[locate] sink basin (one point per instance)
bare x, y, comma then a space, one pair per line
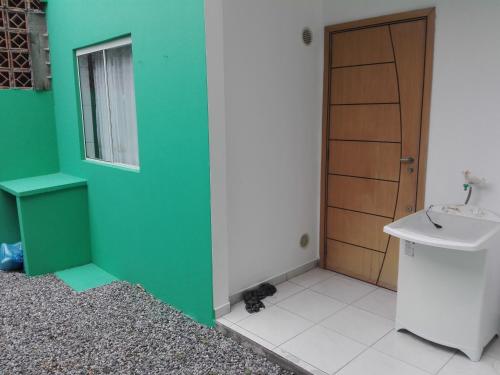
466, 228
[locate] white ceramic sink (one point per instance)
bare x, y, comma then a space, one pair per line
449, 279
466, 228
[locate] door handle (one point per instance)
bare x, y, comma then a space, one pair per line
408, 159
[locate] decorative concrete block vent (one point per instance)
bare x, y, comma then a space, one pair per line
23, 54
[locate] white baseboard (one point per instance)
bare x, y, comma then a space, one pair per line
222, 310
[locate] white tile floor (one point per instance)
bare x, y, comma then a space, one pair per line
331, 324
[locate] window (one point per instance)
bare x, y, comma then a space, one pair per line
108, 102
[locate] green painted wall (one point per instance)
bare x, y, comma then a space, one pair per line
28, 147
153, 226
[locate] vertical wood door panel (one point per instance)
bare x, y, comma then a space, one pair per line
370, 122
389, 273
343, 225
376, 99
365, 46
409, 48
365, 159
359, 194
354, 261
365, 84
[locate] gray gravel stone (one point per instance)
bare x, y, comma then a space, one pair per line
47, 328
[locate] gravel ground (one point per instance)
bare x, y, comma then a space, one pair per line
46, 328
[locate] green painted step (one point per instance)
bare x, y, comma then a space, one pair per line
85, 277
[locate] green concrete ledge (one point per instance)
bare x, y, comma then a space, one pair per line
41, 184
85, 277
53, 220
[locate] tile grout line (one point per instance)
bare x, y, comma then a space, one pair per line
319, 323
397, 359
374, 313
365, 309
357, 356
335, 313
405, 362
291, 295
312, 321
278, 354
367, 347
316, 283
356, 340
376, 288
340, 276
380, 339
279, 346
314, 324
303, 360
322, 295
253, 333
276, 346
402, 361
365, 295
277, 304
448, 361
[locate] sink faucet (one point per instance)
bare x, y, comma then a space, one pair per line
469, 181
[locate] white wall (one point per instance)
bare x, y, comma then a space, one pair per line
465, 117
465, 107
273, 117
217, 125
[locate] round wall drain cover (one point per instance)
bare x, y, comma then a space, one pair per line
304, 240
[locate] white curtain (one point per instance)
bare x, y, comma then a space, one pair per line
120, 78
104, 133
85, 94
95, 106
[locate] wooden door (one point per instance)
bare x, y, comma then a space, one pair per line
376, 113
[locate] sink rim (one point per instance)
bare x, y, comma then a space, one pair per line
395, 229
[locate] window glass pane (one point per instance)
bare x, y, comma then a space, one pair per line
120, 78
108, 103
96, 119
86, 102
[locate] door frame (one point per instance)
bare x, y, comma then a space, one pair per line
429, 14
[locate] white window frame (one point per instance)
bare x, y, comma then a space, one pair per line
125, 41
102, 46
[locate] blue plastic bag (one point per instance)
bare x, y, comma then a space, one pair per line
11, 257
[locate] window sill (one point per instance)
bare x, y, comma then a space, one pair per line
123, 167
